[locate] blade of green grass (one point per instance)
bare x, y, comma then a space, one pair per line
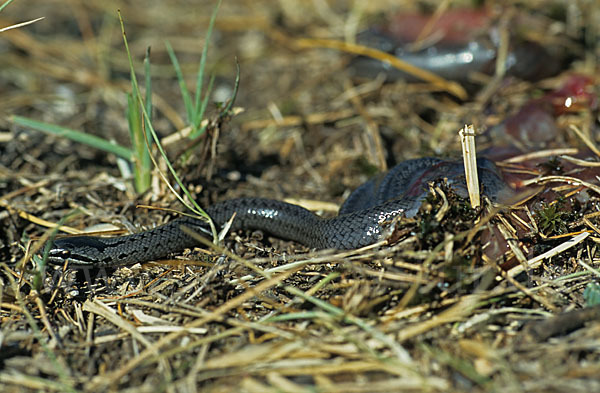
141, 144
77, 136
192, 204
591, 294
137, 122
225, 111
133, 116
199, 131
146, 163
148, 82
200, 76
185, 94
7, 2
136, 133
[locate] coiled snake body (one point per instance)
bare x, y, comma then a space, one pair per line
359, 222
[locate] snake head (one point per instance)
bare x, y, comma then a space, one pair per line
78, 250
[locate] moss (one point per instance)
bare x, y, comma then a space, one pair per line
552, 218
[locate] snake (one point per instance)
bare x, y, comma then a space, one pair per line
362, 219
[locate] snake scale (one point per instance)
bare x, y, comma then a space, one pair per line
360, 221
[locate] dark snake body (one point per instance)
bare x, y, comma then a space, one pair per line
360, 221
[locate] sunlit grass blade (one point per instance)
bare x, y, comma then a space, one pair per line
136, 133
141, 160
77, 136
16, 26
22, 24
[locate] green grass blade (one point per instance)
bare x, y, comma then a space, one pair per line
133, 120
77, 136
136, 133
192, 205
185, 94
591, 294
7, 2
201, 68
148, 82
211, 83
141, 158
199, 116
145, 154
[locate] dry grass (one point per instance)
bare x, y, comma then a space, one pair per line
434, 310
